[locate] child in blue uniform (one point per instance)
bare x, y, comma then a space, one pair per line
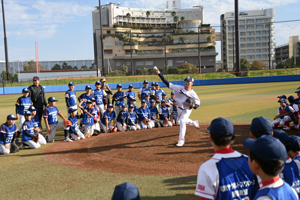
70, 96
144, 116
290, 172
226, 168
74, 131
130, 94
266, 159
294, 151
164, 114
28, 133
119, 98
108, 117
100, 98
154, 112
172, 99
121, 119
22, 105
84, 97
133, 102
132, 119
37, 125
147, 98
174, 114
144, 90
7, 134
88, 118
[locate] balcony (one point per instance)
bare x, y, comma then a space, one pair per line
133, 47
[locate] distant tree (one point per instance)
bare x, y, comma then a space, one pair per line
209, 38
145, 71
245, 65
31, 66
75, 67
173, 13
128, 15
115, 73
139, 72
257, 65
165, 69
13, 77
176, 18
189, 68
169, 39
148, 14
124, 69
65, 66
173, 70
83, 67
56, 67
182, 39
182, 18
280, 65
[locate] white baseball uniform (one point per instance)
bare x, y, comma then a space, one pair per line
184, 112
286, 118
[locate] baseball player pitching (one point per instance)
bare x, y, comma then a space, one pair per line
184, 96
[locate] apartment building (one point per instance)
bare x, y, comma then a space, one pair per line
156, 39
257, 37
288, 50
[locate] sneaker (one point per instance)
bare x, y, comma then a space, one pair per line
197, 124
17, 140
68, 140
88, 135
296, 126
22, 146
286, 128
180, 144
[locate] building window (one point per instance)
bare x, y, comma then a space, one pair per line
258, 45
230, 28
264, 44
230, 52
242, 27
108, 43
170, 63
249, 57
108, 52
250, 45
230, 58
259, 21
108, 32
264, 38
264, 50
229, 46
259, 26
148, 62
258, 56
250, 21
242, 40
264, 32
250, 51
249, 33
257, 33
243, 51
249, 39
139, 63
250, 27
118, 64
118, 43
242, 34
229, 40
243, 45
241, 22
128, 64
230, 34
257, 39
264, 56
231, 22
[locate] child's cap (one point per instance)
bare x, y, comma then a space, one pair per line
72, 110
11, 117
294, 142
88, 101
93, 99
190, 79
219, 126
146, 95
131, 106
282, 100
281, 135
119, 86
124, 106
153, 83
298, 91
31, 108
266, 148
291, 99
172, 92
25, 90
130, 86
145, 82
297, 101
163, 101
133, 100
153, 101
126, 191
52, 99
164, 94
27, 112
282, 96
144, 101
71, 84
110, 106
88, 87
261, 126
98, 83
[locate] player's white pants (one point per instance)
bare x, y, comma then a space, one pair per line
144, 126
42, 140
176, 122
282, 121
184, 119
74, 107
101, 109
21, 121
118, 109
96, 127
88, 129
4, 150
75, 136
32, 144
137, 127
120, 127
53, 127
167, 124
103, 127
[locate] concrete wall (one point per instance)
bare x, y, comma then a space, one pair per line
63, 88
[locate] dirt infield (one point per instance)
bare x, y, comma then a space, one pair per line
150, 152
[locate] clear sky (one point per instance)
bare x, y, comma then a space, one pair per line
63, 28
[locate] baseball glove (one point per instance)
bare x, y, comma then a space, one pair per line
35, 138
276, 117
165, 121
283, 112
14, 148
146, 122
114, 129
191, 102
67, 123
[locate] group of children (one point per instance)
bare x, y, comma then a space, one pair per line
288, 111
96, 113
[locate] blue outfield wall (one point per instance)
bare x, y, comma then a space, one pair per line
264, 79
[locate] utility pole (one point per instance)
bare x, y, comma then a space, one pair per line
5, 43
101, 42
233, 47
269, 45
131, 61
237, 36
165, 47
199, 52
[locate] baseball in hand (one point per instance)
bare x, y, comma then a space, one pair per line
155, 68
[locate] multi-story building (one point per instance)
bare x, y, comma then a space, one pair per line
291, 49
257, 37
156, 39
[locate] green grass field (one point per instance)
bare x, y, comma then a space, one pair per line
30, 175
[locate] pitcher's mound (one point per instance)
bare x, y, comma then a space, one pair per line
151, 152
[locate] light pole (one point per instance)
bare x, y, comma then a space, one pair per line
101, 42
5, 42
199, 53
237, 36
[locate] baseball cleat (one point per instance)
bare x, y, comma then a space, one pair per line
296, 126
197, 124
286, 128
22, 146
180, 144
88, 135
68, 140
